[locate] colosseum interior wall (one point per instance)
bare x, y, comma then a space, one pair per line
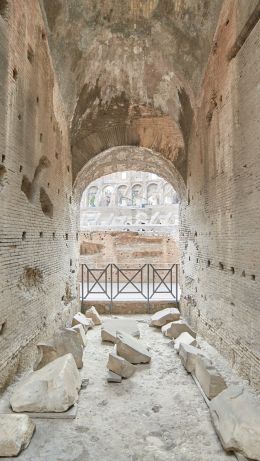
190, 116
38, 235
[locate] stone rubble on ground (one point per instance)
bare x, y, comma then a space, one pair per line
188, 355
111, 326
80, 330
120, 366
131, 349
236, 418
53, 388
16, 432
81, 319
174, 329
64, 342
113, 377
93, 314
164, 316
210, 380
184, 338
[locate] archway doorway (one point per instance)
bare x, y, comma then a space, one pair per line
129, 248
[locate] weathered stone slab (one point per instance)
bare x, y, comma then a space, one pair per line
174, 329
16, 432
110, 327
188, 355
54, 387
131, 349
165, 328
71, 413
236, 417
80, 330
120, 366
113, 377
184, 338
212, 383
64, 342
93, 314
81, 319
164, 316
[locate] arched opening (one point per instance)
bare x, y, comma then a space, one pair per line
132, 226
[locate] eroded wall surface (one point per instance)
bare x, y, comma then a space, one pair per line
37, 233
221, 222
131, 249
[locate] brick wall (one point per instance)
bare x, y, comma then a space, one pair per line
221, 220
37, 232
127, 250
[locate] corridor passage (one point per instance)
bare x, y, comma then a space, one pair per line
156, 415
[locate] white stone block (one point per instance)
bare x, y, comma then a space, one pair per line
120, 366
16, 432
164, 316
80, 330
93, 314
236, 417
188, 355
174, 329
110, 327
53, 388
131, 349
64, 342
81, 319
113, 377
184, 338
211, 381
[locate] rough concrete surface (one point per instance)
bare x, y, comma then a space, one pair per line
135, 420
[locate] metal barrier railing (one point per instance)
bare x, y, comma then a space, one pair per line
112, 283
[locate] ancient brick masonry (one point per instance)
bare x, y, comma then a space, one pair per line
38, 236
99, 248
221, 219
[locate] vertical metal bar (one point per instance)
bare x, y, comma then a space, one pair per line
171, 279
111, 287
142, 280
153, 278
177, 302
148, 289
87, 280
106, 280
82, 286
118, 273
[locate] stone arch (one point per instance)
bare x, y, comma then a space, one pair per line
125, 158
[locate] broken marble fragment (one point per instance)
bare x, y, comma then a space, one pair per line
236, 417
174, 329
164, 316
211, 381
131, 349
81, 319
16, 432
184, 338
53, 388
93, 314
188, 355
120, 366
64, 342
110, 327
80, 330
113, 377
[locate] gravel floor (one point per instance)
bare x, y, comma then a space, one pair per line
156, 415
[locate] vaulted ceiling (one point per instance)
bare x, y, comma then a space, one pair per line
129, 71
